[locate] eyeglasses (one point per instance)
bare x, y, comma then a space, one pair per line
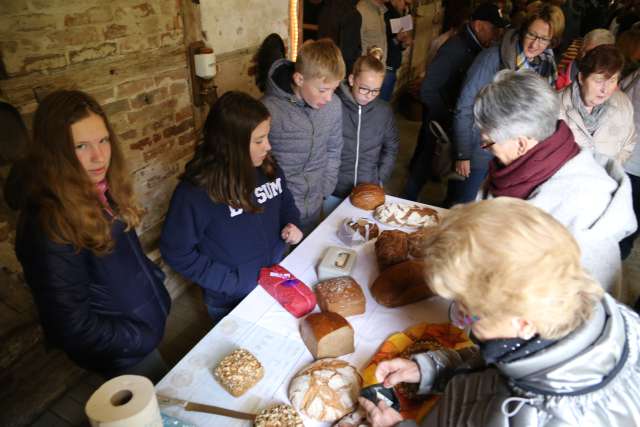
536, 38
367, 91
459, 318
487, 144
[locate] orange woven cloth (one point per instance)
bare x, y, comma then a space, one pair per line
445, 334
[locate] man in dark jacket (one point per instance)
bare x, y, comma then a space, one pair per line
441, 86
340, 21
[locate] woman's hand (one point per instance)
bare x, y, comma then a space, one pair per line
396, 371
380, 415
291, 234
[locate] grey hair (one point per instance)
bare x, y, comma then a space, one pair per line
516, 104
597, 37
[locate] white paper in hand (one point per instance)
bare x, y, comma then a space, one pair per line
401, 24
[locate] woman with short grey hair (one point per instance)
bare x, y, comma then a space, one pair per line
538, 160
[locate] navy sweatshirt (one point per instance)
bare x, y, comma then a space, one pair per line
223, 249
106, 312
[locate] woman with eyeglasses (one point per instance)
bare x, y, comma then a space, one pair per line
369, 129
529, 48
599, 115
552, 348
537, 159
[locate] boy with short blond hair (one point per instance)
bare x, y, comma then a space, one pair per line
306, 124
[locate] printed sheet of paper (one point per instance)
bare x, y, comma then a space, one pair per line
401, 24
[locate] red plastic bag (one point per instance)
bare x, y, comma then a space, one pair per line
291, 293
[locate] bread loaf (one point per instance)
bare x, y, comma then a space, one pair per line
401, 284
418, 241
391, 247
406, 215
278, 416
238, 372
341, 295
326, 390
367, 196
327, 334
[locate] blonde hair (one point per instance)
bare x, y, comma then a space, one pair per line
70, 210
507, 258
372, 61
548, 13
320, 59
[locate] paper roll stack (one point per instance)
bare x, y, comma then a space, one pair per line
124, 401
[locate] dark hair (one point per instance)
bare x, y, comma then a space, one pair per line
13, 140
222, 163
271, 49
603, 59
70, 211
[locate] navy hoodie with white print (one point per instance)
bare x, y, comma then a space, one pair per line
222, 249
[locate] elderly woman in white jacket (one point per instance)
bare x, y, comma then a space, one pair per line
599, 115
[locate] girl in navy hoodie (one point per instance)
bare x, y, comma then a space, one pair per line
98, 296
232, 213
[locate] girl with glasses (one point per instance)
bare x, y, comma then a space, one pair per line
369, 129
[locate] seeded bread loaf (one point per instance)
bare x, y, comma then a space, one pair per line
278, 416
238, 372
340, 295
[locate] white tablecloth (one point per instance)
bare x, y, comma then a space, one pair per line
260, 325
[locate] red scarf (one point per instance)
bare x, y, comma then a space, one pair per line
102, 187
533, 168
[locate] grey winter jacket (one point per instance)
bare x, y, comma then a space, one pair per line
589, 378
592, 198
306, 142
370, 142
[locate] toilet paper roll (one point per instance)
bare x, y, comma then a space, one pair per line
124, 401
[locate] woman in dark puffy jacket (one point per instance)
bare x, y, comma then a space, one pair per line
99, 298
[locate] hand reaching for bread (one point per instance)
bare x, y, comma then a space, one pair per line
396, 371
291, 234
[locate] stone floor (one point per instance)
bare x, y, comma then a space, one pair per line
188, 321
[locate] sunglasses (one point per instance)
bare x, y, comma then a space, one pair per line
487, 144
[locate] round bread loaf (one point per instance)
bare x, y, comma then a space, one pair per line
326, 390
418, 241
278, 416
391, 247
401, 284
367, 196
402, 214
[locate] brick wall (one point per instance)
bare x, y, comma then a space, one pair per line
130, 55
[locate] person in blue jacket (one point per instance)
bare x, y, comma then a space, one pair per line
527, 48
232, 213
99, 298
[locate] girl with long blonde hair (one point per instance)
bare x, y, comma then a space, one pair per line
99, 298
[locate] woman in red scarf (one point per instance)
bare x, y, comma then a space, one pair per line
537, 159
99, 298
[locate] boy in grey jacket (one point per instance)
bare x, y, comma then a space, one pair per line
306, 124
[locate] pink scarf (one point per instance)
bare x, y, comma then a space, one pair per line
102, 187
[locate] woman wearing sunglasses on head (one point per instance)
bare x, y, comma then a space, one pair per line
553, 348
369, 129
99, 298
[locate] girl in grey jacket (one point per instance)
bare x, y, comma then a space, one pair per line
369, 128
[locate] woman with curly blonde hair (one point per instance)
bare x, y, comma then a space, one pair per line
552, 348
99, 298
